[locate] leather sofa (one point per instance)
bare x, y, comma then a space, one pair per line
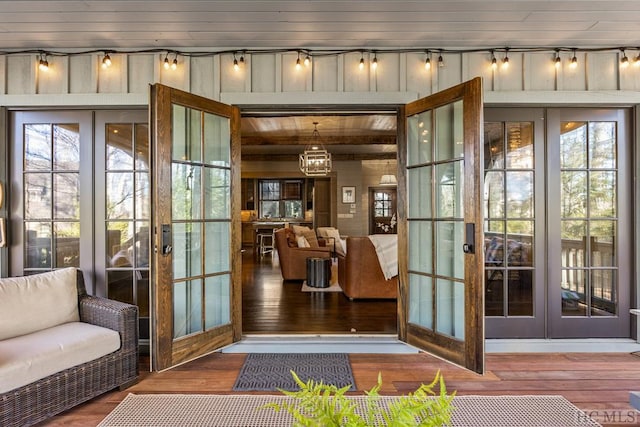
292, 259
360, 274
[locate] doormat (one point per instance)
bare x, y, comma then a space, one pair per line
272, 371
194, 410
333, 288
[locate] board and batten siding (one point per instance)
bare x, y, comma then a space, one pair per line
271, 79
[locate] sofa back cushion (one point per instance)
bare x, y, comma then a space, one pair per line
36, 302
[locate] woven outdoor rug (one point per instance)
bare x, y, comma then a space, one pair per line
272, 371
333, 288
172, 410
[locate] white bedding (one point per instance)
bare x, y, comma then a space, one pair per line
387, 249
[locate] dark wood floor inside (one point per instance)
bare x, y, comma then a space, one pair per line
271, 306
598, 383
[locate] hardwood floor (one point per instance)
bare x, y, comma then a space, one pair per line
271, 306
598, 383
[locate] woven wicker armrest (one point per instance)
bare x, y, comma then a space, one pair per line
111, 314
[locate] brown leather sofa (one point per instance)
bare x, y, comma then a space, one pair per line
293, 260
359, 272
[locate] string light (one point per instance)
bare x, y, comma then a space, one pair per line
236, 66
557, 61
106, 60
427, 62
574, 60
43, 64
307, 60
174, 64
374, 63
440, 61
298, 64
494, 61
624, 61
166, 61
361, 64
636, 60
505, 60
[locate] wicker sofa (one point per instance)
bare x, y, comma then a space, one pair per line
67, 336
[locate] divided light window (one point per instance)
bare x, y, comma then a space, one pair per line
280, 198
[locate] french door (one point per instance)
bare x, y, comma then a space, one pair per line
196, 182
440, 246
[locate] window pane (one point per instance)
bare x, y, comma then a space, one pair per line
217, 140
270, 209
420, 192
450, 308
217, 193
573, 292
142, 146
187, 259
142, 244
217, 297
37, 147
120, 286
66, 196
449, 259
520, 145
603, 293
573, 243
520, 293
602, 145
120, 195
187, 308
421, 300
38, 244
216, 239
186, 191
37, 196
520, 250
450, 191
494, 195
420, 246
493, 146
120, 242
603, 250
67, 244
449, 131
494, 293
143, 197
293, 209
186, 134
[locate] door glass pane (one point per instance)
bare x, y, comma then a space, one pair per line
142, 244
520, 248
419, 183
120, 244
419, 136
37, 147
494, 292
494, 194
67, 244
142, 146
421, 302
573, 145
602, 194
217, 235
119, 146
520, 292
449, 256
120, 195
120, 286
187, 307
493, 145
217, 193
603, 250
187, 261
217, 297
573, 243
38, 245
37, 195
603, 293
449, 131
602, 145
66, 147
66, 196
216, 140
186, 128
186, 191
420, 246
520, 195
573, 194
519, 145
450, 303
449, 181
142, 197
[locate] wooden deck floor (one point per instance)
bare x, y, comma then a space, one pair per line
597, 383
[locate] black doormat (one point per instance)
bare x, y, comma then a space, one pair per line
272, 371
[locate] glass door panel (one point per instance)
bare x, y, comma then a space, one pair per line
444, 284
194, 195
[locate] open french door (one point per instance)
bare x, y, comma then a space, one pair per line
196, 270
441, 263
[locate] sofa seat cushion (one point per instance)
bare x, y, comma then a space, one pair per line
40, 301
31, 357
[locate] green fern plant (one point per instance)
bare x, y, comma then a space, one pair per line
324, 405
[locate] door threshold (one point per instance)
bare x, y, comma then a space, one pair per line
562, 345
321, 343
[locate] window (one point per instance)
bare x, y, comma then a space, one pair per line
280, 198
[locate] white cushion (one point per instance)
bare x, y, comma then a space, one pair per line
334, 233
324, 231
299, 229
39, 301
303, 243
28, 358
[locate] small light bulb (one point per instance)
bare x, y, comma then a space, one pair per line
440, 61
427, 64
298, 65
624, 62
558, 62
106, 61
636, 61
166, 63
174, 64
236, 67
574, 61
494, 63
505, 62
307, 60
361, 65
374, 63
241, 60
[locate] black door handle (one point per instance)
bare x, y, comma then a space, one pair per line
469, 246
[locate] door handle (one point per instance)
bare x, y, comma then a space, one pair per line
167, 245
469, 246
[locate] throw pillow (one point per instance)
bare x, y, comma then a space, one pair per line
302, 242
310, 235
298, 229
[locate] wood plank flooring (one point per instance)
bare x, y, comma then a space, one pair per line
597, 383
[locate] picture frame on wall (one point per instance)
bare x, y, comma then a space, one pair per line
348, 194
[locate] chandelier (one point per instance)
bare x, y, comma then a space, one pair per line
315, 160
